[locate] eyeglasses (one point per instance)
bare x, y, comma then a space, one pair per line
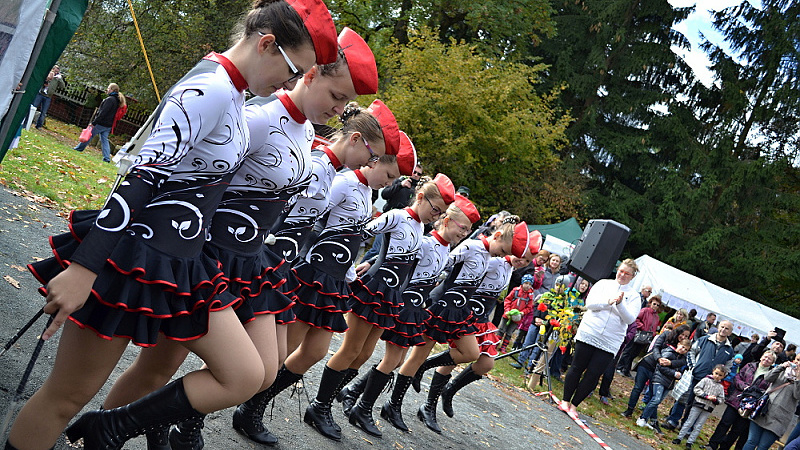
461, 227
296, 73
419, 174
436, 211
372, 156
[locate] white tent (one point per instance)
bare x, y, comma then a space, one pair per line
679, 289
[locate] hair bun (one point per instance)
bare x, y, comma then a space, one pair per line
351, 110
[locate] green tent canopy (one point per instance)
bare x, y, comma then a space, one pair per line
568, 230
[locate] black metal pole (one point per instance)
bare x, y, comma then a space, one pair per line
22, 331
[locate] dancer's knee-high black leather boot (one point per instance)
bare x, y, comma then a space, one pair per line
441, 359
427, 412
348, 395
361, 414
109, 429
248, 417
392, 410
466, 377
318, 413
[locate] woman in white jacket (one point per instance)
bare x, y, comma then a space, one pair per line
612, 305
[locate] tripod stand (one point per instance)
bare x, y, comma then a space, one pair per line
540, 343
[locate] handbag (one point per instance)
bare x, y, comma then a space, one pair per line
752, 405
86, 134
643, 337
683, 385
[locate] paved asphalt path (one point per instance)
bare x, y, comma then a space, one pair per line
488, 414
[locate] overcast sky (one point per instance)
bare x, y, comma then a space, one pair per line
700, 22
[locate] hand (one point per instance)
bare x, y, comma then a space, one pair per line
786, 364
713, 398
66, 293
406, 183
772, 334
537, 321
677, 375
664, 362
362, 268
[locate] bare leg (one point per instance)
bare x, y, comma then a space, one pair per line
282, 332
263, 334
311, 351
392, 358
83, 364
483, 365
235, 371
465, 350
152, 369
416, 358
357, 335
295, 334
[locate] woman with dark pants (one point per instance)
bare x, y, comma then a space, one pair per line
732, 427
766, 429
611, 306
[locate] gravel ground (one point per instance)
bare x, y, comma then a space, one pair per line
488, 414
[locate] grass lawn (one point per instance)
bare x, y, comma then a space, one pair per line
46, 168
610, 415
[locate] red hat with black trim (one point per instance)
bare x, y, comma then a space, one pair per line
407, 156
391, 132
318, 22
520, 241
360, 61
446, 188
534, 241
468, 208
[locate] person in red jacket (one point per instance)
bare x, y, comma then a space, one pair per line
520, 299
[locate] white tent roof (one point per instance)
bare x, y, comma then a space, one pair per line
679, 289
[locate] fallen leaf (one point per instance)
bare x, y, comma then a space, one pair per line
11, 281
18, 267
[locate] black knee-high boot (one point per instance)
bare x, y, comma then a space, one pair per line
247, 419
466, 377
361, 414
442, 359
187, 435
110, 429
392, 410
318, 413
158, 439
427, 412
348, 395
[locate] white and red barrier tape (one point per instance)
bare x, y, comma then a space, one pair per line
577, 420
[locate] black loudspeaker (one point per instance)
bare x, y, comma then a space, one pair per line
598, 249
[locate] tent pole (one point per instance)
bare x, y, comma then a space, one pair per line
49, 18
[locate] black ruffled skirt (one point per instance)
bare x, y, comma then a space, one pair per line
140, 291
409, 328
451, 316
321, 299
256, 279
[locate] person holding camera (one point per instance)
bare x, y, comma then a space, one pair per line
777, 344
783, 398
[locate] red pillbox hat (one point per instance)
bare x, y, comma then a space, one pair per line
391, 132
360, 61
318, 22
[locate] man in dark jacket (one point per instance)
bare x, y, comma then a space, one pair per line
103, 121
754, 352
707, 352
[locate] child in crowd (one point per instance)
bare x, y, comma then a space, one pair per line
708, 394
520, 299
663, 377
737, 362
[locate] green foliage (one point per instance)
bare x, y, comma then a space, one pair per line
176, 34
479, 121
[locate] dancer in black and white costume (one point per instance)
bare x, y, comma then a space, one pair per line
377, 303
409, 325
498, 274
137, 269
451, 319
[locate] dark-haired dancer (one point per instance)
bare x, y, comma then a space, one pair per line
137, 269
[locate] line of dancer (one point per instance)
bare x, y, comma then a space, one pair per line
234, 237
